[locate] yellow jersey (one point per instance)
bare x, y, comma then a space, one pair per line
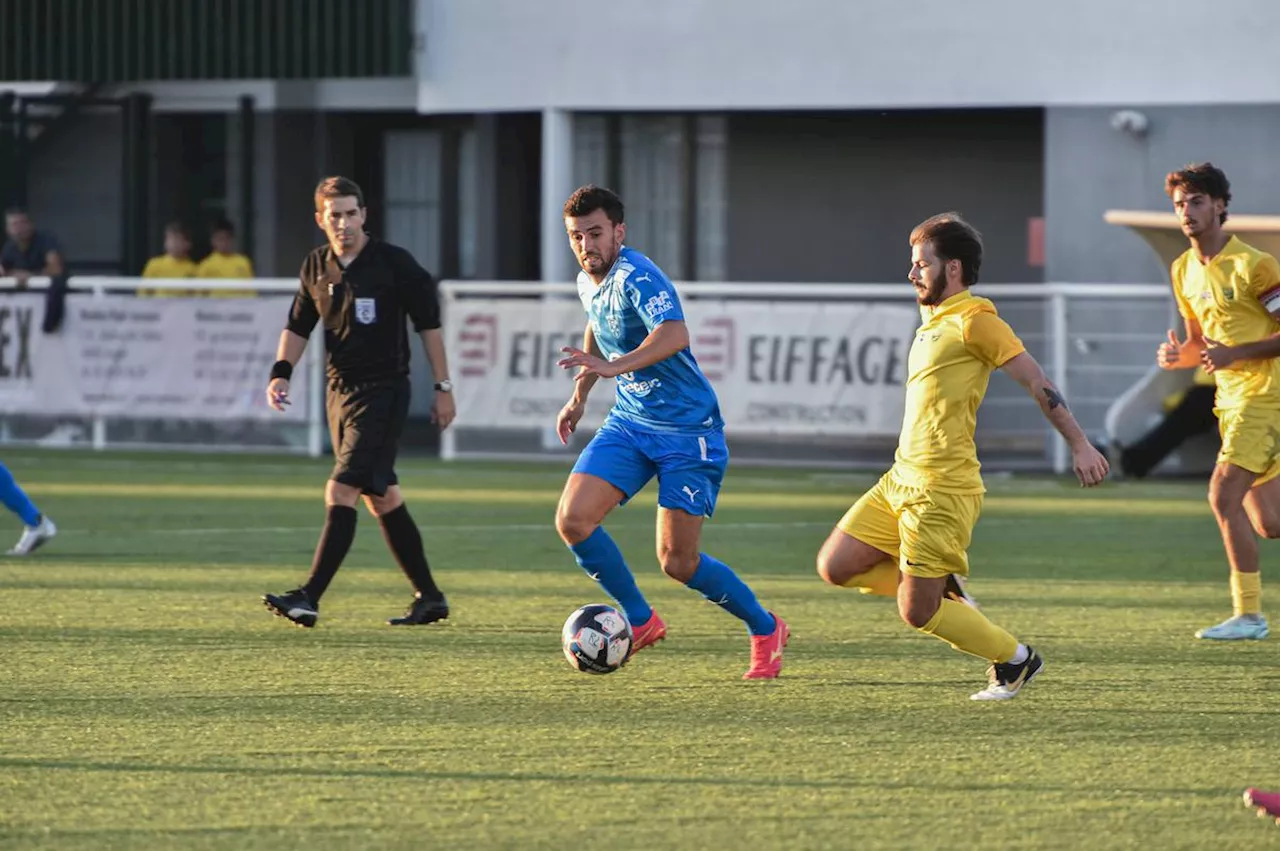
1225, 297
165, 266
225, 266
955, 350
1199, 379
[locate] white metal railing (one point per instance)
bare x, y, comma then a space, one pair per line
1056, 297
783, 290
1062, 340
102, 286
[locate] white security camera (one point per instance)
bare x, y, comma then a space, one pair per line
1129, 121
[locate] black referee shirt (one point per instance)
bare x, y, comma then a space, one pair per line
363, 308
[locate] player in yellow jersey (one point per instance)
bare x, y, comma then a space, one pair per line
1228, 293
907, 536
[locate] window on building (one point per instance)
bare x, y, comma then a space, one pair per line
468, 203
670, 170
414, 193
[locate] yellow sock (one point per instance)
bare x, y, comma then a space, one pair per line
1246, 593
969, 631
881, 580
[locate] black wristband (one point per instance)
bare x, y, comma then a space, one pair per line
281, 369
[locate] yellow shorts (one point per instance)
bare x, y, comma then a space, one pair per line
1251, 439
927, 531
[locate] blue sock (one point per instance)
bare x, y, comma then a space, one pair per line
15, 500
600, 557
716, 581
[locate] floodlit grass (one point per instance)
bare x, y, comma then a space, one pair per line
147, 700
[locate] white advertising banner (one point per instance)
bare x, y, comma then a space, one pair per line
121, 356
778, 367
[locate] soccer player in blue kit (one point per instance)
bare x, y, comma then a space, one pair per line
665, 423
36, 528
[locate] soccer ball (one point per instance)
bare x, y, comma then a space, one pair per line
596, 639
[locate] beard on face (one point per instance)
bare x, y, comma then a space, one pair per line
586, 259
933, 292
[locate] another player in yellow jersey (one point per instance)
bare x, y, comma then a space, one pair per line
907, 536
1229, 296
224, 261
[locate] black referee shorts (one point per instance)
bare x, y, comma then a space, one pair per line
365, 422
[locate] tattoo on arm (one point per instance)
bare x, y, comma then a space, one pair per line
1054, 398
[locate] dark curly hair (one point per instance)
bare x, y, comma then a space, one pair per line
1205, 178
585, 200
953, 239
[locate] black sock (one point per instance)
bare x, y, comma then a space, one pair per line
406, 545
335, 540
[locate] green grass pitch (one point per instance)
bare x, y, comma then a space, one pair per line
148, 700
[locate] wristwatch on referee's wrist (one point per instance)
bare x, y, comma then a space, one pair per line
445, 386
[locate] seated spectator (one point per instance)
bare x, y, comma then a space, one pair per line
176, 262
223, 261
29, 252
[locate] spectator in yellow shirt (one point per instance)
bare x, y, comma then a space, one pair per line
223, 261
176, 262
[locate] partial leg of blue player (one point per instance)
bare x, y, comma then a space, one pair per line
584, 504
36, 528
679, 535
588, 499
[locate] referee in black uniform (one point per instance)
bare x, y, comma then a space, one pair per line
363, 289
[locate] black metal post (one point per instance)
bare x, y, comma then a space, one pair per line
248, 177
450, 205
143, 174
136, 182
613, 153
8, 149
20, 159
128, 191
690, 200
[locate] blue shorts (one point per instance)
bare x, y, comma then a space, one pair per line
689, 468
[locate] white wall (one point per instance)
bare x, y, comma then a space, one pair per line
1090, 168
761, 54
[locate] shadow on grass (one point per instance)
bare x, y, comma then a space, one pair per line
773, 781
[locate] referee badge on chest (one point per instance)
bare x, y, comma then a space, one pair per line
366, 311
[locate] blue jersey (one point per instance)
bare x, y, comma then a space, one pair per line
670, 396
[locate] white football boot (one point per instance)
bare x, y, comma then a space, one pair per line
33, 537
